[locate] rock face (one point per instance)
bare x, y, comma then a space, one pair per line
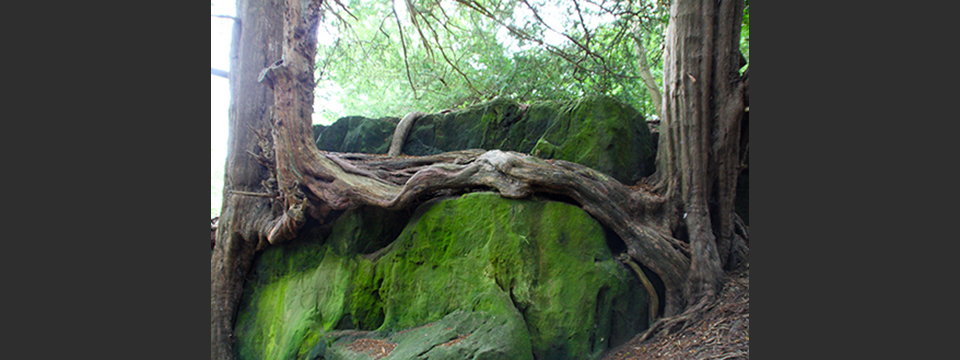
356, 134
473, 277
596, 131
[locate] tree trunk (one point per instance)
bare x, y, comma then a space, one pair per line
256, 43
698, 157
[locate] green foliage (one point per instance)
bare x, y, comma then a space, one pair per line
390, 58
745, 33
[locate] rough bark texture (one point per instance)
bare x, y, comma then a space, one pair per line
256, 37
698, 159
693, 188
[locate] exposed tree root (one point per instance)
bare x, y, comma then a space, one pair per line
714, 329
373, 181
400, 133
654, 299
678, 323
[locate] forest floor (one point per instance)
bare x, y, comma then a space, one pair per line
722, 332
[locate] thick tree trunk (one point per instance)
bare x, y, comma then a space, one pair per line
256, 43
698, 155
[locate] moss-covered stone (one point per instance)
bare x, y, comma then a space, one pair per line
317, 130
357, 134
603, 133
600, 132
459, 335
504, 278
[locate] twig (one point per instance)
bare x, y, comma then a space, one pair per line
226, 17
247, 193
729, 355
220, 73
412, 10
345, 9
445, 58
403, 44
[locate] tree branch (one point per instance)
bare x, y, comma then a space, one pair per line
220, 73
226, 17
403, 44
248, 193
652, 88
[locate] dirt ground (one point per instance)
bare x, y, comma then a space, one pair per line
722, 333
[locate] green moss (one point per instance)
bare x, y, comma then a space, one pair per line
545, 150
547, 260
600, 132
537, 275
528, 132
279, 322
605, 134
356, 134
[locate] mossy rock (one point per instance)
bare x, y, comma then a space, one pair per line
600, 132
317, 130
357, 134
509, 278
482, 126
457, 336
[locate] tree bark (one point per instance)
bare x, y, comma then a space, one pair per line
401, 132
698, 155
256, 42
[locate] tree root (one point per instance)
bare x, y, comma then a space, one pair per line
288, 225
654, 299
675, 324
401, 131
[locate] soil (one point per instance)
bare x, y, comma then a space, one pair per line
372, 347
721, 332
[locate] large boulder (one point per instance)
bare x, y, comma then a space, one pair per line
600, 132
473, 277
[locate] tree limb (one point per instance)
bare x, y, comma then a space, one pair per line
248, 193
652, 88
226, 17
403, 44
220, 73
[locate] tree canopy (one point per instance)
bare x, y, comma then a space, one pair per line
388, 58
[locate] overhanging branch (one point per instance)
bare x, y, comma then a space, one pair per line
220, 73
